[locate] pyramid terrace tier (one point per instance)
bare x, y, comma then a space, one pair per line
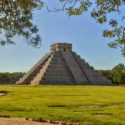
63, 66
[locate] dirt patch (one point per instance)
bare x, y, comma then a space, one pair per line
2, 94
20, 121
35, 121
102, 114
56, 106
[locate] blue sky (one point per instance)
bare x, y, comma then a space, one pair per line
82, 31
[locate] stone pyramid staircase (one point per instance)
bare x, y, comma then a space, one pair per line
63, 66
36, 80
27, 78
58, 71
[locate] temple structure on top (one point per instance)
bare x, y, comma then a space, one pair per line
63, 66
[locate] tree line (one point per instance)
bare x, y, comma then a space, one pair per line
10, 78
116, 75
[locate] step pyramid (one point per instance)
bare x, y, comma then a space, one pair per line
63, 66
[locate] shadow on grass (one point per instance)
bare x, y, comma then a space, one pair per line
56, 105
3, 93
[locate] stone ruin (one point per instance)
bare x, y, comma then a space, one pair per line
62, 66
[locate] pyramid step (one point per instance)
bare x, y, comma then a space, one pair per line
26, 79
56, 73
57, 77
92, 75
84, 64
56, 70
57, 65
56, 81
63, 70
44, 82
39, 75
55, 58
74, 67
101, 81
92, 72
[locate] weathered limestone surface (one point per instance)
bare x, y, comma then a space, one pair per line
58, 71
63, 66
36, 80
74, 67
27, 78
93, 76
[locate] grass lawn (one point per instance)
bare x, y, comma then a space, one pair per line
96, 105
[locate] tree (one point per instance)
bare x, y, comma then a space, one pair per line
107, 73
119, 67
16, 18
101, 11
116, 75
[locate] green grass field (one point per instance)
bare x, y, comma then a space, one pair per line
96, 105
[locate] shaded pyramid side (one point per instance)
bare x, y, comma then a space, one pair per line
27, 78
55, 71
75, 68
92, 75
